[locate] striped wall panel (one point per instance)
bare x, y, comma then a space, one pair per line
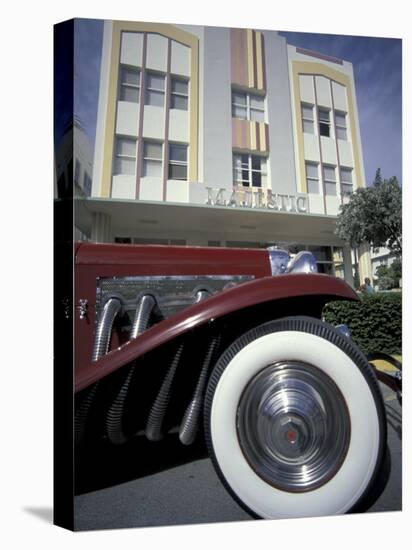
250, 136
247, 59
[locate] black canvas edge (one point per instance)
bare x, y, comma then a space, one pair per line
63, 381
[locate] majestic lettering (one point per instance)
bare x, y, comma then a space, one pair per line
259, 198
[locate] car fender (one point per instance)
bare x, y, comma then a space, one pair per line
231, 300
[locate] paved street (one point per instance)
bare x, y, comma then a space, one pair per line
191, 492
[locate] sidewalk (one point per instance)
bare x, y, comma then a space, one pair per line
385, 366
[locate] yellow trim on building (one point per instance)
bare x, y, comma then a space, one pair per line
253, 140
262, 136
174, 33
259, 60
250, 60
313, 68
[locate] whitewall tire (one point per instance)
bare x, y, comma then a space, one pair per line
294, 420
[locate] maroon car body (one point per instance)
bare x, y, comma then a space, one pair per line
227, 347
95, 261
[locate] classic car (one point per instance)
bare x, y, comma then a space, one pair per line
228, 345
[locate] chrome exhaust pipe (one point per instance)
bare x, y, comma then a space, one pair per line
143, 312
190, 422
104, 328
115, 412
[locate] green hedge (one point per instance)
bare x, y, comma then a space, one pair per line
375, 322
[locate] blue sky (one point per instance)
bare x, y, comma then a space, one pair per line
377, 64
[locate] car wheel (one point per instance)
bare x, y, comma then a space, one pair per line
294, 420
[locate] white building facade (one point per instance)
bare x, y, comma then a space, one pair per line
223, 137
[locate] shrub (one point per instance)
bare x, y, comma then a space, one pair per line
375, 322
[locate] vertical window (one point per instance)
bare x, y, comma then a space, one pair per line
346, 183
257, 108
239, 105
248, 106
329, 177
177, 162
129, 84
249, 170
155, 89
308, 125
312, 177
324, 121
340, 124
179, 98
241, 169
152, 159
125, 156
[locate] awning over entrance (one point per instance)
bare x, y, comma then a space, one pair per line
200, 223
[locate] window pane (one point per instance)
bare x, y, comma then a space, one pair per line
180, 86
258, 116
313, 186
308, 127
312, 170
155, 81
341, 133
130, 76
263, 165
329, 173
321, 253
237, 161
152, 168
245, 161
129, 94
307, 112
346, 175
238, 112
256, 102
245, 177
256, 179
239, 98
340, 119
330, 188
324, 129
323, 115
178, 152
255, 162
124, 166
125, 146
177, 172
179, 102
346, 188
237, 174
154, 98
152, 150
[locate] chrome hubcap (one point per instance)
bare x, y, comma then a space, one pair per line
293, 426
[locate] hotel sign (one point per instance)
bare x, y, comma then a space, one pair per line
259, 198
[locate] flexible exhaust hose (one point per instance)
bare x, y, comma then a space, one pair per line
143, 312
115, 412
154, 426
190, 422
104, 328
201, 295
100, 348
